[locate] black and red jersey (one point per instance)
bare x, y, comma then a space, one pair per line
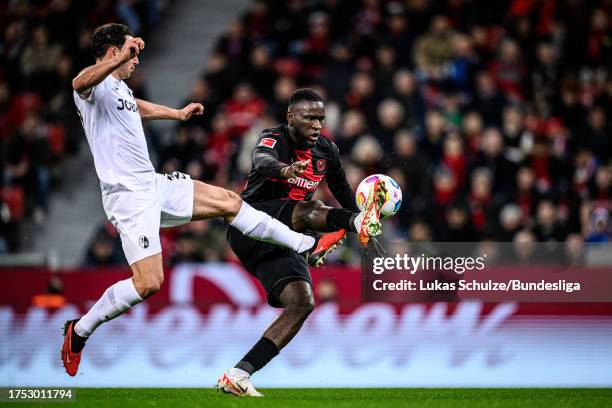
275, 149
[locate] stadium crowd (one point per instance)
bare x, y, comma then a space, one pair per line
494, 117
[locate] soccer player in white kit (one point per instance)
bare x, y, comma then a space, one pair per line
136, 199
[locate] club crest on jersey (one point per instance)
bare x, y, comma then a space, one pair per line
143, 241
267, 142
321, 164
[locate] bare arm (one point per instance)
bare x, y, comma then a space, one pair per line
149, 110
91, 76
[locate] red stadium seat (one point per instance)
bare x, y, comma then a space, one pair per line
56, 137
15, 199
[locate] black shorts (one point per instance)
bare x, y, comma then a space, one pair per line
274, 266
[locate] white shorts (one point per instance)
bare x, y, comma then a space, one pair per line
138, 215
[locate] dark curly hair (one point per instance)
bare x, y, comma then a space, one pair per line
305, 94
108, 35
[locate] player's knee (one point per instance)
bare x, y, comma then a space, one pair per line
314, 209
307, 213
302, 305
231, 203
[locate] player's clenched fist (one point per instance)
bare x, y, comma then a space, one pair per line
190, 110
295, 169
131, 48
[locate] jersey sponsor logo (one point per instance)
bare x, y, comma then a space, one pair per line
304, 183
127, 105
267, 142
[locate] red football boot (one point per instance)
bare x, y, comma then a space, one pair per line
324, 245
71, 360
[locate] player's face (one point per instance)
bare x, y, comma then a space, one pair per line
306, 118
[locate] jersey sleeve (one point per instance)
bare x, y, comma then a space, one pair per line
266, 155
337, 183
95, 93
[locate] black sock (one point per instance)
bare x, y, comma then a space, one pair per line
262, 352
77, 342
339, 218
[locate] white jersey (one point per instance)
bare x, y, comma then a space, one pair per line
117, 141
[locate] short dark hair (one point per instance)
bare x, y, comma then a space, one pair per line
108, 35
304, 94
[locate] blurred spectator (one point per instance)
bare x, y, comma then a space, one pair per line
405, 91
431, 140
524, 248
105, 248
454, 158
419, 231
480, 197
361, 96
596, 135
526, 195
458, 226
518, 140
260, 72
390, 115
39, 60
326, 290
434, 48
509, 70
492, 158
407, 160
185, 249
511, 222
53, 298
283, 88
548, 227
243, 109
234, 44
488, 100
599, 227
368, 153
27, 165
574, 250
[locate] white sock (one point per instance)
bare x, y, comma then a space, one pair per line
260, 226
116, 300
238, 372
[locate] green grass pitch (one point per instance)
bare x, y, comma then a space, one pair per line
343, 397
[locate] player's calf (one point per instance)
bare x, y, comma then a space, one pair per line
147, 282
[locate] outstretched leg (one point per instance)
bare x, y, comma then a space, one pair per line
211, 201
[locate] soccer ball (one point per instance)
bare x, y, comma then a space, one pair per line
393, 201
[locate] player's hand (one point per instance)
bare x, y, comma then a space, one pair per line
131, 49
190, 110
295, 169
